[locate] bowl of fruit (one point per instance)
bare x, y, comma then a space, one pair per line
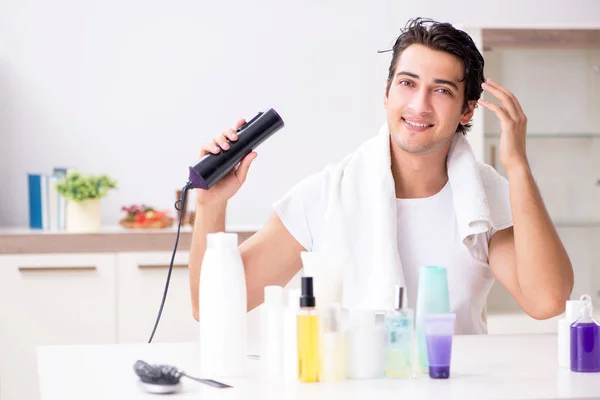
140, 216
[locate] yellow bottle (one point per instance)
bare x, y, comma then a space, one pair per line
308, 335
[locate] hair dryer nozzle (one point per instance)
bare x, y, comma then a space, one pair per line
213, 167
195, 181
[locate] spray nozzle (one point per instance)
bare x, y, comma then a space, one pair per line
307, 299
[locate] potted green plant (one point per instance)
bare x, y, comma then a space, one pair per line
83, 194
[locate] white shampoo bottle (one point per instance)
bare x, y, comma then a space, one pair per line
222, 309
271, 316
290, 336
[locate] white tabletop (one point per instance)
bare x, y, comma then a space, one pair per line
483, 367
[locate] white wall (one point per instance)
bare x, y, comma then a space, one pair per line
558, 99
507, 13
556, 88
133, 89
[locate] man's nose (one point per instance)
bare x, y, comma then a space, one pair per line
420, 103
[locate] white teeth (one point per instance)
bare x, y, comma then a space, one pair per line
417, 125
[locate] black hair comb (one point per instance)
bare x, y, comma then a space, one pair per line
165, 378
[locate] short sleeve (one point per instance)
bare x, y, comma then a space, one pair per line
302, 208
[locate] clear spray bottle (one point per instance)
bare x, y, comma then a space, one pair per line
399, 324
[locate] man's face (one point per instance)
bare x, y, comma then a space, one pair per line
425, 100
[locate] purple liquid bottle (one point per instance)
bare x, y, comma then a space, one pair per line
585, 341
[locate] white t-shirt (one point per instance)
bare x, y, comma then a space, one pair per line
427, 235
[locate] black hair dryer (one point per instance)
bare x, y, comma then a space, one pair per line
212, 167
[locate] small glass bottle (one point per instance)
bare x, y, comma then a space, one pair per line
399, 324
308, 334
332, 344
585, 340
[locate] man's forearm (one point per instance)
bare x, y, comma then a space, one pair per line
544, 270
209, 219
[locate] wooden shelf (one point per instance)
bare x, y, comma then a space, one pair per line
541, 38
108, 240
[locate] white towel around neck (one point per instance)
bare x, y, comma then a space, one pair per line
360, 218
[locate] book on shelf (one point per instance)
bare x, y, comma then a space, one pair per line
47, 207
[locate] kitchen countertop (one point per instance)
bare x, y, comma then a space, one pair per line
108, 239
483, 367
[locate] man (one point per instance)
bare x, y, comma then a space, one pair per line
434, 85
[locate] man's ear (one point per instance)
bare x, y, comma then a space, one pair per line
468, 114
385, 95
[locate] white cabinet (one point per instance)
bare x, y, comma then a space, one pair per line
141, 279
141, 282
51, 299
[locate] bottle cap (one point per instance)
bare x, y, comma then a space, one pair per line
399, 297
273, 295
222, 239
574, 307
585, 315
308, 298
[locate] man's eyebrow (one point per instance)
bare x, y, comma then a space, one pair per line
440, 81
446, 82
408, 73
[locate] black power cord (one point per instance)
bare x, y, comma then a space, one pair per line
179, 206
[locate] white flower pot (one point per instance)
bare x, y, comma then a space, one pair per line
84, 216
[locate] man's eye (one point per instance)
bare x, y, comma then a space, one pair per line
444, 91
405, 83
